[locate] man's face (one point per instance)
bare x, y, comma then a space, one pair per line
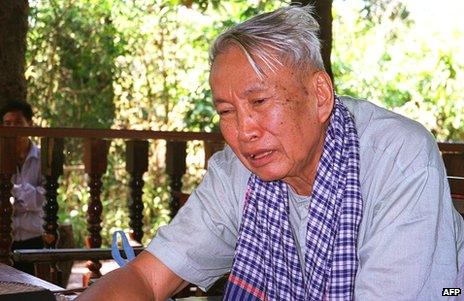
16, 118
273, 125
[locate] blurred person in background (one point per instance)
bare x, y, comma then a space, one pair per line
27, 191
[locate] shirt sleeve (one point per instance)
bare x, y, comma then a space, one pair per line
409, 251
198, 245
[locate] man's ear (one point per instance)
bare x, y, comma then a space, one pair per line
324, 95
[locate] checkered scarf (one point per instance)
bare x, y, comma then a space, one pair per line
266, 264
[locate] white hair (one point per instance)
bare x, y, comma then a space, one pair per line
288, 35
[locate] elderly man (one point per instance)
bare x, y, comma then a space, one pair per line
316, 197
28, 193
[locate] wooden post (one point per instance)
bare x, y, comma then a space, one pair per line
136, 165
13, 33
52, 168
176, 152
95, 162
52, 158
7, 169
323, 15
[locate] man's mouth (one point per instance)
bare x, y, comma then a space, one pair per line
260, 158
260, 155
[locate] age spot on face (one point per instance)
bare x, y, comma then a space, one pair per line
305, 90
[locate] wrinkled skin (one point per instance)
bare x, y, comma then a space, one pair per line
276, 125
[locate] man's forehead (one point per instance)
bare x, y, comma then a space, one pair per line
14, 114
232, 74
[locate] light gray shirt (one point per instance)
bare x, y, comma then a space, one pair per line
29, 197
410, 240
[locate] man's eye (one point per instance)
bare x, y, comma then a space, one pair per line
224, 112
259, 101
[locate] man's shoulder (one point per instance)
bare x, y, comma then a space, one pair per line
225, 167
227, 162
383, 132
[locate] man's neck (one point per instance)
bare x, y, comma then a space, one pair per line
23, 152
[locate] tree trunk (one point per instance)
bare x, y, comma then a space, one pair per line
13, 29
323, 14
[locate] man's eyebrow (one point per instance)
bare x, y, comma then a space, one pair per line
258, 88
217, 101
255, 89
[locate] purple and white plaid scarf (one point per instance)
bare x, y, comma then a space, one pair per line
266, 264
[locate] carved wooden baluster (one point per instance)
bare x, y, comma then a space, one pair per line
52, 159
136, 165
176, 152
52, 169
7, 169
95, 161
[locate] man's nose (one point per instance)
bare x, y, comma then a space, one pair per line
248, 128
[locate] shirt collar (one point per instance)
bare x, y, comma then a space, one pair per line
34, 152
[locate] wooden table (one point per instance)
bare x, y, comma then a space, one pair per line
16, 285
10, 274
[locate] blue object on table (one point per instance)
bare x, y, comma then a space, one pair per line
125, 246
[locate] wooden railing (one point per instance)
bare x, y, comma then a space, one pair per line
453, 157
96, 144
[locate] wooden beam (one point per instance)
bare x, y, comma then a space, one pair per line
107, 134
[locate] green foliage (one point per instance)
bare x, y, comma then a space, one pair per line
70, 57
70, 63
395, 60
73, 198
125, 65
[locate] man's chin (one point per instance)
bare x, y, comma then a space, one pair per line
267, 175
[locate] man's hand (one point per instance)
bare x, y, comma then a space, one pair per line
19, 206
17, 191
